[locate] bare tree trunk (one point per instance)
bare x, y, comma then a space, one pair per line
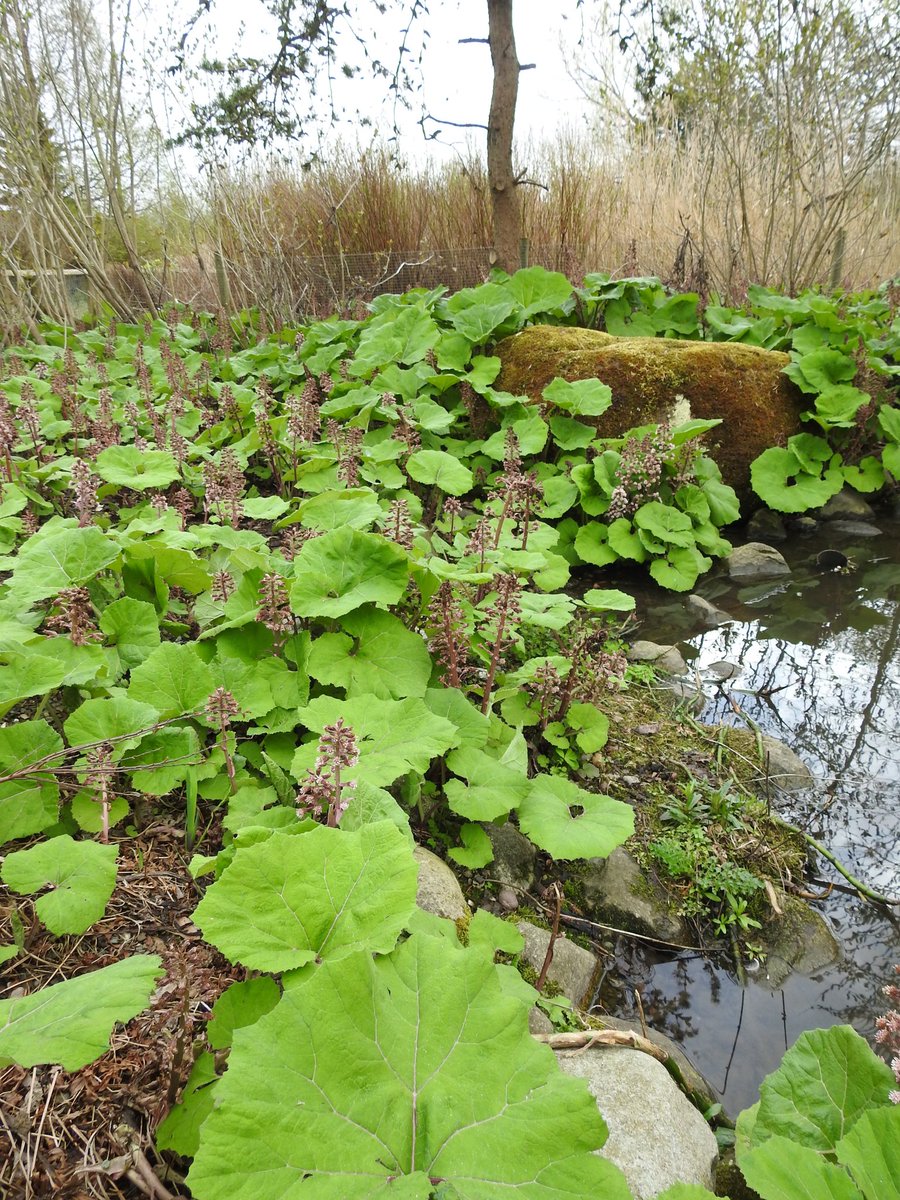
506, 210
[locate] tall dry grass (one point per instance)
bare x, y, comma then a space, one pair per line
365, 221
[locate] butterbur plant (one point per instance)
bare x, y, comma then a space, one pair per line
887, 1034
274, 607
324, 791
221, 709
448, 641
501, 619
74, 616
99, 777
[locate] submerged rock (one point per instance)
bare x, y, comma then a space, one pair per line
755, 561
785, 768
438, 890
707, 613
860, 529
766, 526
656, 1136
618, 892
846, 505
574, 970
744, 386
666, 658
799, 942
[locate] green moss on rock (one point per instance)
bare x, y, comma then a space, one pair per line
742, 385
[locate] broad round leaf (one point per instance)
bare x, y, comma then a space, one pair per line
781, 482
69, 1023
27, 805
137, 469
441, 470
344, 569
82, 876
287, 901
132, 626
381, 657
569, 822
174, 679
608, 600
47, 563
372, 1077
106, 718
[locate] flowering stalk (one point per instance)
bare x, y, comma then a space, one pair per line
99, 776
505, 613
448, 642
221, 709
323, 790
888, 1033
274, 607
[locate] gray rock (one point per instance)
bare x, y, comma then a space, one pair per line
438, 891
507, 899
538, 1021
697, 1087
766, 526
804, 525
514, 856
785, 768
707, 613
848, 504
799, 942
574, 970
666, 658
656, 1136
860, 529
617, 892
755, 561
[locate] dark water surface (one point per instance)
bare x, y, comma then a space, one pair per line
826, 647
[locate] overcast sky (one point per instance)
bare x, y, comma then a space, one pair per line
456, 79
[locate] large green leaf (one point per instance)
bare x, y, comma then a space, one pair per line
381, 657
380, 1077
132, 626
26, 672
871, 1150
569, 822
404, 334
441, 470
69, 1023
29, 804
493, 789
582, 398
394, 736
477, 312
110, 718
780, 1169
137, 469
82, 876
538, 290
48, 563
344, 569
173, 679
290, 900
356, 508
826, 1081
780, 481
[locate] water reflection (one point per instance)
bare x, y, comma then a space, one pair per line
820, 669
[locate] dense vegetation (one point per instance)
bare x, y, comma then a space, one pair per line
310, 590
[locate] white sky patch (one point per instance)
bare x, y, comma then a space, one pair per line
455, 78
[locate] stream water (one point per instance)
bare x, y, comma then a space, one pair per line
820, 670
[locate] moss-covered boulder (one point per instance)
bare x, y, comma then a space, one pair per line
742, 385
